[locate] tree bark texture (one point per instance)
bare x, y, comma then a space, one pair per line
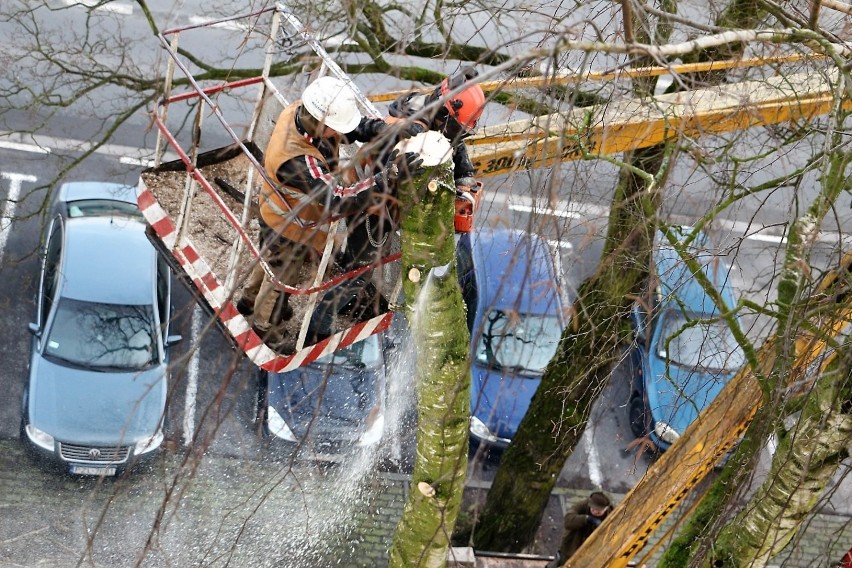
577, 374
588, 349
806, 459
436, 313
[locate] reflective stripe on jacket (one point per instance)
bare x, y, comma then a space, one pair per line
280, 208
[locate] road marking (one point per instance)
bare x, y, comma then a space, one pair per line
192, 378
588, 211
114, 7
143, 162
8, 213
32, 148
40, 144
595, 475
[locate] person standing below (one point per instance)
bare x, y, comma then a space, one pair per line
584, 517
302, 158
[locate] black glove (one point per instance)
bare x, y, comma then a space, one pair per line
410, 129
398, 167
593, 520
370, 128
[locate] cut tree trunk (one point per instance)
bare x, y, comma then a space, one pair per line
436, 313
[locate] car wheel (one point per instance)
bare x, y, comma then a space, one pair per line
639, 423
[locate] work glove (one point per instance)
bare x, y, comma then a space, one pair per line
593, 520
409, 129
398, 167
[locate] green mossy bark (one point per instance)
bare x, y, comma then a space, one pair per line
806, 459
578, 372
437, 315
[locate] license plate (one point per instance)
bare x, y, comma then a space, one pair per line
92, 470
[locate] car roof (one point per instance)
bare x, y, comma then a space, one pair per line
677, 282
79, 190
108, 260
515, 271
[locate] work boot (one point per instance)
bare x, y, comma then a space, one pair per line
245, 306
273, 337
556, 562
282, 311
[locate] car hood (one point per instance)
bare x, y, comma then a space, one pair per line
677, 394
328, 404
85, 407
499, 401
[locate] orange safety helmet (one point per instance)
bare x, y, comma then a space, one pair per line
465, 107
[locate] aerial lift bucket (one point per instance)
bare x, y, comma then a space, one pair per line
200, 208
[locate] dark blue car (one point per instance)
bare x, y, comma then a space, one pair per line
333, 403
516, 314
683, 353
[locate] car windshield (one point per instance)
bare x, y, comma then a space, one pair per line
520, 342
102, 207
103, 337
692, 342
361, 354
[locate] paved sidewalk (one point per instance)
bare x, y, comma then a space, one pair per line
237, 513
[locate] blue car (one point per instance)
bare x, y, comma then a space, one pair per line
515, 312
95, 401
683, 353
333, 403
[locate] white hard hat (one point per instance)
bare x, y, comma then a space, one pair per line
332, 102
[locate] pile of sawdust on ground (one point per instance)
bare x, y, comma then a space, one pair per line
208, 229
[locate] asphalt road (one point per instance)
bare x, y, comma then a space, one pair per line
213, 396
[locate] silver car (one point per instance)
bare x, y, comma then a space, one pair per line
95, 402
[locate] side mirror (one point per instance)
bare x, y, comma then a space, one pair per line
173, 340
389, 344
34, 329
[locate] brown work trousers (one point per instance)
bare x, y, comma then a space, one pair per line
286, 258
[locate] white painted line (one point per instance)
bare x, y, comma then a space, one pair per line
595, 475
589, 211
32, 148
560, 246
544, 211
143, 162
7, 215
129, 155
114, 7
192, 378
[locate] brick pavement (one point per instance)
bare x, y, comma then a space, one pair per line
231, 512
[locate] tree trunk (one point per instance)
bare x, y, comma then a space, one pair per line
590, 345
806, 459
436, 313
578, 373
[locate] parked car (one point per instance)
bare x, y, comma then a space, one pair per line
333, 403
511, 285
95, 401
683, 353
